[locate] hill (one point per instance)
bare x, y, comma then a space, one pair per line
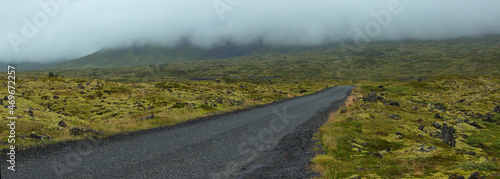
138, 55
379, 60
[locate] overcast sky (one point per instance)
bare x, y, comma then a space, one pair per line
48, 30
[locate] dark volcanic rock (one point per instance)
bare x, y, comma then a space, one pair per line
472, 153
372, 97
440, 106
456, 176
62, 123
475, 175
488, 118
51, 75
437, 125
447, 133
497, 109
437, 116
395, 117
421, 127
393, 103
39, 137
473, 123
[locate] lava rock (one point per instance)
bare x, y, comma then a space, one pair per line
447, 133
51, 75
62, 123
475, 175
372, 97
423, 150
472, 153
437, 125
437, 116
39, 137
488, 118
393, 103
399, 133
466, 120
497, 109
395, 117
421, 127
440, 106
473, 123
456, 176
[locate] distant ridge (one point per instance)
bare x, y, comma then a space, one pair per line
152, 55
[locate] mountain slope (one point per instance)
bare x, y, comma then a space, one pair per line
153, 55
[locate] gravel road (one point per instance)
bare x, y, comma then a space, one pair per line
244, 144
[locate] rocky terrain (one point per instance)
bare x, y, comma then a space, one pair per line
445, 127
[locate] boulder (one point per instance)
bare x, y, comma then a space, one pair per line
437, 125
447, 134
51, 75
497, 109
488, 117
421, 127
473, 123
394, 116
393, 103
372, 97
475, 175
62, 123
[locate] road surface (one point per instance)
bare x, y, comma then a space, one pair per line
216, 147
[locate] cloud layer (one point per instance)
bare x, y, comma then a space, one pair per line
48, 30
